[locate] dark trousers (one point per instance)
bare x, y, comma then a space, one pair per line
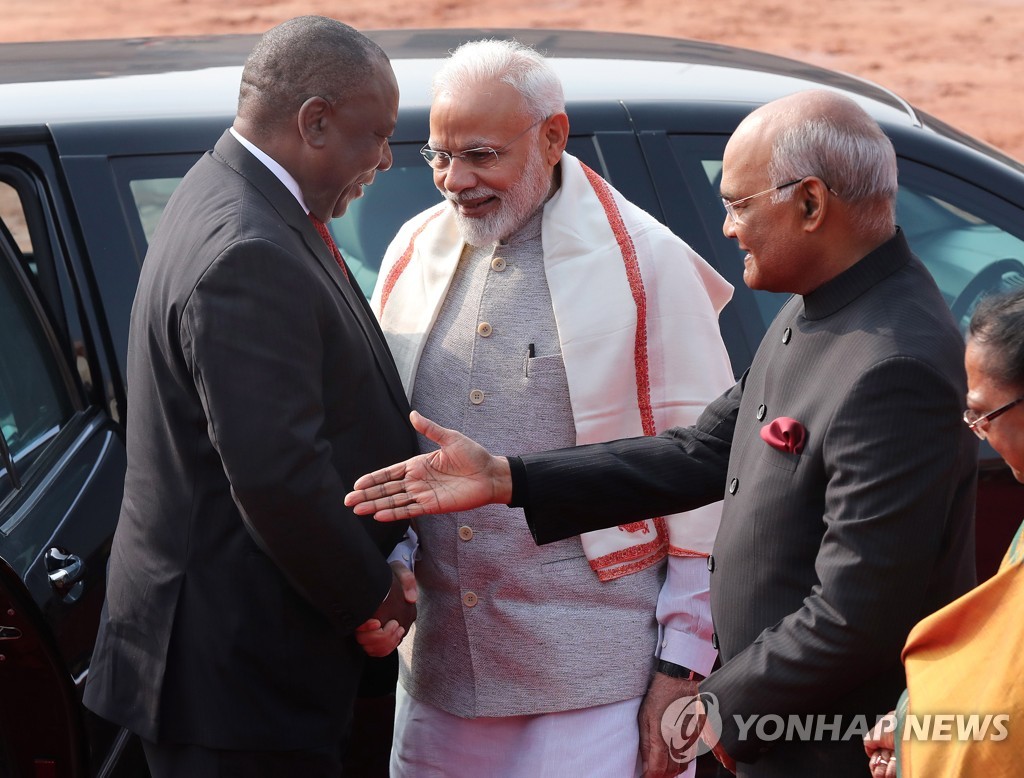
171, 760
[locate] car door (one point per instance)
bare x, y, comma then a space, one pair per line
62, 465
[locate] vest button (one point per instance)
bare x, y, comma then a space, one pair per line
787, 336
484, 329
466, 533
734, 485
711, 563
469, 599
498, 264
476, 396
762, 411
714, 640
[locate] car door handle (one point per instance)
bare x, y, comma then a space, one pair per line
64, 570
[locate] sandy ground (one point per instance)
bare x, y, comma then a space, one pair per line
960, 61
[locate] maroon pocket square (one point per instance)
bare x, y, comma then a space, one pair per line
785, 434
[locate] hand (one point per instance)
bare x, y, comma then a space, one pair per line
459, 476
655, 755
377, 640
379, 635
880, 746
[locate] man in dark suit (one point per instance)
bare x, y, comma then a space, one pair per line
848, 475
259, 387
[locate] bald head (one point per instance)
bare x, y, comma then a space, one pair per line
825, 134
304, 57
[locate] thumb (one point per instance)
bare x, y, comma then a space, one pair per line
432, 430
407, 579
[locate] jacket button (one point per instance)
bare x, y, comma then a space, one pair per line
714, 640
484, 329
497, 264
469, 599
787, 336
476, 396
466, 533
711, 563
734, 485
762, 411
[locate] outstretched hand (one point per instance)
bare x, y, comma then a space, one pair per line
459, 476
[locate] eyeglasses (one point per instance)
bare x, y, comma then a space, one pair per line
978, 424
482, 157
730, 205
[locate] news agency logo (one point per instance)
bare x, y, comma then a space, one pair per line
683, 722
692, 726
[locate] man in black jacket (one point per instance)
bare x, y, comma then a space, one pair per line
259, 387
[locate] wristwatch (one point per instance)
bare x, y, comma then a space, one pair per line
672, 670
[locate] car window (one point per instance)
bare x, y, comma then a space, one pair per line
370, 222
972, 243
34, 400
150, 196
144, 185
12, 214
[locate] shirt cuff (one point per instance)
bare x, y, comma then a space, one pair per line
407, 550
687, 650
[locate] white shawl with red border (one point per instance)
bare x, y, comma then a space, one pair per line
637, 315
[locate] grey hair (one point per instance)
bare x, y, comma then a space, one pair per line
304, 57
998, 324
506, 61
848, 151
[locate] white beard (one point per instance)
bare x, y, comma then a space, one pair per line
517, 204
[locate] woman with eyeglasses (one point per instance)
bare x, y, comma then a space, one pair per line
963, 712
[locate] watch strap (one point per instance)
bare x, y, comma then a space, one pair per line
672, 670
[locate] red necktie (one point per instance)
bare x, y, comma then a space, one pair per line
326, 235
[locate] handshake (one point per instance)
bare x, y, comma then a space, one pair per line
381, 633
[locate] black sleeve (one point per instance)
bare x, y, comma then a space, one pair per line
573, 490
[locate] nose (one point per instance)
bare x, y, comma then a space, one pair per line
386, 158
458, 176
729, 226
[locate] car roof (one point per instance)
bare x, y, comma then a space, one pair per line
79, 82
118, 79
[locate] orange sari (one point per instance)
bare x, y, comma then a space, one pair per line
965, 678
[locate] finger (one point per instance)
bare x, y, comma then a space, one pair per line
389, 499
386, 514
369, 625
392, 475
409, 587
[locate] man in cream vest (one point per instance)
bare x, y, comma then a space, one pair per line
537, 308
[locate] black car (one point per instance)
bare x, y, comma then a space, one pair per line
94, 136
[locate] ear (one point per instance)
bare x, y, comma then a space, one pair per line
555, 135
813, 197
313, 117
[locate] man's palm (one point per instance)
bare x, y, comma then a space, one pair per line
458, 476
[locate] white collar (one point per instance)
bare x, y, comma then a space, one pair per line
274, 167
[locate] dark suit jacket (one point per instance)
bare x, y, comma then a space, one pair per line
826, 558
259, 389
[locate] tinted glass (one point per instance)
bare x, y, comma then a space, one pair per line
367, 227
972, 242
34, 403
150, 196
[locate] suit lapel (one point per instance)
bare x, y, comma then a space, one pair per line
245, 164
